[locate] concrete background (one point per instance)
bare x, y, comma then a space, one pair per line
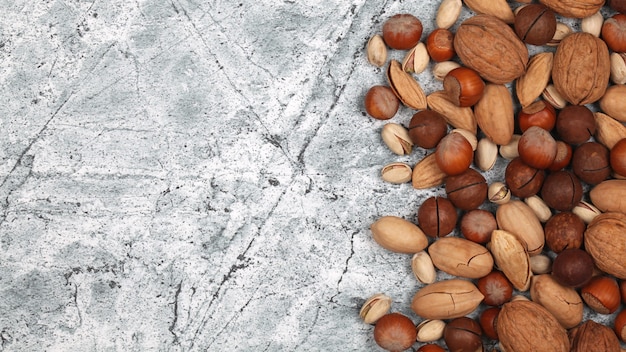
195, 176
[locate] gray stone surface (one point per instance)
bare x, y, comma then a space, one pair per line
194, 176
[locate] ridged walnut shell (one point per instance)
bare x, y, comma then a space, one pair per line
592, 336
581, 68
491, 47
527, 326
605, 241
574, 8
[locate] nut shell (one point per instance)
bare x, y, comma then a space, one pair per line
398, 235
574, 8
562, 301
591, 336
446, 299
605, 241
581, 68
491, 47
460, 257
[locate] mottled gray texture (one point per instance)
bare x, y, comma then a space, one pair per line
191, 176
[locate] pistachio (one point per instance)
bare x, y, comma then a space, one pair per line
423, 268
532, 83
430, 330
398, 235
516, 298
499, 193
592, 24
540, 208
376, 51
540, 264
448, 13
441, 69
562, 31
471, 137
609, 131
586, 211
512, 258
375, 307
618, 68
427, 173
552, 96
459, 117
405, 86
509, 151
397, 138
486, 154
416, 60
397, 173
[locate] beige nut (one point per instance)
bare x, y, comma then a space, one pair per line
562, 31
618, 68
416, 60
540, 264
586, 211
498, 193
376, 51
552, 96
460, 257
406, 88
609, 196
539, 207
448, 13
375, 307
510, 151
592, 24
398, 235
531, 84
563, 302
512, 258
446, 299
397, 138
427, 174
469, 136
609, 131
396, 173
441, 69
613, 103
574, 8
519, 219
423, 268
497, 8
486, 154
430, 330
459, 117
494, 113
605, 241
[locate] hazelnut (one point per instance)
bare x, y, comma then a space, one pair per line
427, 128
563, 156
573, 267
381, 103
463, 335
454, 154
601, 294
620, 325
402, 31
539, 114
431, 347
618, 157
622, 290
591, 163
575, 124
523, 180
437, 217
440, 45
535, 24
537, 148
395, 332
488, 322
463, 86
563, 231
562, 190
496, 288
468, 190
614, 32
477, 225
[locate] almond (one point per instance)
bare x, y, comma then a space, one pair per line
459, 117
511, 257
427, 174
494, 114
532, 83
405, 86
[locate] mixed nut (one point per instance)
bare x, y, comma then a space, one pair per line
556, 243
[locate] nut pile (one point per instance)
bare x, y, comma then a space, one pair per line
550, 250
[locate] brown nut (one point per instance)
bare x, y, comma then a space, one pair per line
605, 241
602, 294
574, 8
395, 332
575, 124
427, 128
454, 154
590, 162
477, 225
463, 335
537, 148
468, 190
381, 103
523, 180
535, 24
562, 190
496, 288
437, 217
564, 231
592, 336
573, 267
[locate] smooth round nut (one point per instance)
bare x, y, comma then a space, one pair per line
620, 325
562, 190
440, 45
563, 156
590, 162
427, 128
537, 148
431, 347
463, 335
573, 267
468, 190
463, 86
523, 180
395, 332
488, 322
614, 32
539, 114
575, 124
564, 231
618, 157
437, 217
601, 294
496, 288
454, 154
477, 225
381, 103
402, 31
535, 24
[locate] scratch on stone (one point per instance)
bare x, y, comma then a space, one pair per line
175, 320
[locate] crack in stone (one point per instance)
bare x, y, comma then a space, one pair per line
175, 320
